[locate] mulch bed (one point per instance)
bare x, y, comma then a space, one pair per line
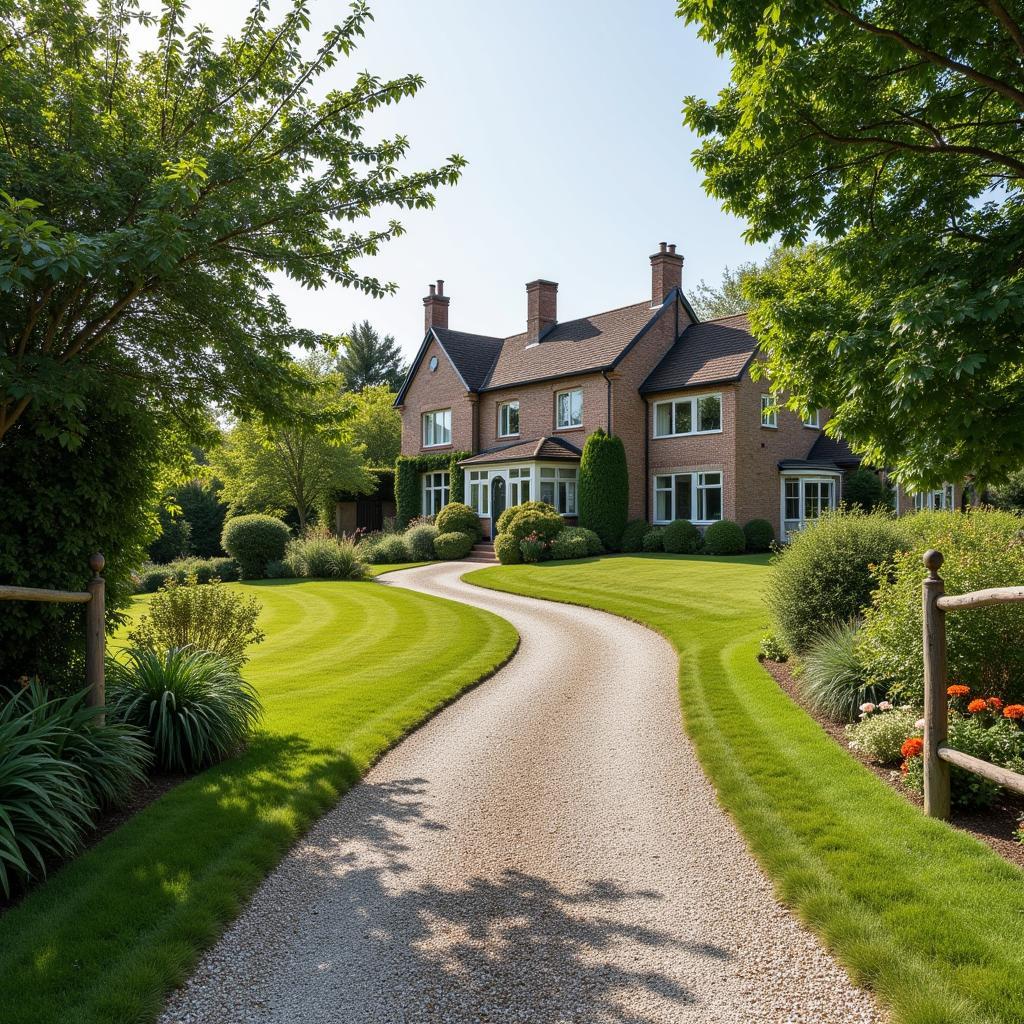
141, 797
993, 825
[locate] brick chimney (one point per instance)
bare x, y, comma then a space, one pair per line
666, 273
541, 308
435, 307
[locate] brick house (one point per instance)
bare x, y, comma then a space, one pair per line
704, 441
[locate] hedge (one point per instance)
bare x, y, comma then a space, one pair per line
409, 493
725, 538
604, 487
453, 545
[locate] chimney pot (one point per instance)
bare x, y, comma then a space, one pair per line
541, 308
440, 287
435, 307
662, 246
432, 290
666, 273
672, 247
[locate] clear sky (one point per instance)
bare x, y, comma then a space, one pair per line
569, 113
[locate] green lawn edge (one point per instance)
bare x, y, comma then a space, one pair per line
927, 917
106, 937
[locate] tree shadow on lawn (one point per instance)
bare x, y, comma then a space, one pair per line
358, 918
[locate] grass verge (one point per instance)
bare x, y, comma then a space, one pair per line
927, 917
347, 670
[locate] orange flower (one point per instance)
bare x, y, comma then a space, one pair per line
912, 747
1014, 711
995, 703
977, 706
958, 691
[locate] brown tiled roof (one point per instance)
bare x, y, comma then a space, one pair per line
539, 448
711, 352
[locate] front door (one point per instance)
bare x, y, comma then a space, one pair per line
497, 502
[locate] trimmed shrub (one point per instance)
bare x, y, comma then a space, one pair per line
151, 580
825, 574
322, 556
985, 646
506, 549
527, 506
279, 570
880, 733
567, 545
453, 545
681, 537
534, 548
193, 705
533, 517
226, 569
724, 538
590, 539
253, 541
420, 542
864, 490
760, 535
654, 539
833, 677
387, 549
208, 618
604, 487
633, 535
458, 518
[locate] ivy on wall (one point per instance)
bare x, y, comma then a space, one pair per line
409, 493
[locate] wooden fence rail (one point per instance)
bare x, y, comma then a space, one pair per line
94, 598
937, 755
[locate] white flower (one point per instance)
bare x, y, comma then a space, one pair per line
885, 706
867, 708
919, 724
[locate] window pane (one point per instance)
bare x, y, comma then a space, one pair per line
663, 419
684, 497
567, 474
577, 407
524, 488
446, 427
684, 417
513, 418
563, 409
570, 502
710, 412
663, 506
547, 474
547, 491
562, 496
474, 497
663, 482
709, 496
792, 499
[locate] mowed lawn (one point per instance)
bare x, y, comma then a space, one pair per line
928, 917
347, 669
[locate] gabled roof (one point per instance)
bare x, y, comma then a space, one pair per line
472, 354
539, 448
712, 352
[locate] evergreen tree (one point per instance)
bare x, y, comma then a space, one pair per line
368, 360
604, 488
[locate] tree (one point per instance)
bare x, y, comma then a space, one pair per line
374, 423
710, 303
270, 467
604, 488
865, 489
905, 313
150, 199
368, 360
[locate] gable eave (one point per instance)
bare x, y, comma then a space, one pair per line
430, 336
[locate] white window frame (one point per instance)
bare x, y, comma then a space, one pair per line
694, 403
429, 427
504, 408
813, 422
801, 520
564, 482
478, 492
769, 412
700, 484
942, 499
571, 424
435, 483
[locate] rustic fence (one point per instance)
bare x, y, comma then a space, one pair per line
937, 755
94, 598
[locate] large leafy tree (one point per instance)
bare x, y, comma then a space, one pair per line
375, 424
889, 135
150, 198
368, 359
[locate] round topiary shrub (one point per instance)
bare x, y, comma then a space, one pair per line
569, 545
506, 548
534, 517
253, 541
453, 545
604, 487
681, 537
759, 534
654, 539
633, 535
420, 542
389, 549
527, 506
458, 518
724, 538
591, 541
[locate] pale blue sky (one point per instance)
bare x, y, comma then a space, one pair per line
569, 113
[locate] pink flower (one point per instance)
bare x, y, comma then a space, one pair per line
885, 706
919, 724
867, 708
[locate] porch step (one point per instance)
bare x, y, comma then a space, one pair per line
483, 552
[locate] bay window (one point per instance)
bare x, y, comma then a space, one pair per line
693, 496
701, 414
805, 498
508, 419
519, 485
941, 499
435, 492
569, 409
558, 488
437, 428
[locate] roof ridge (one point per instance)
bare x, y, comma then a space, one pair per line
729, 316
586, 316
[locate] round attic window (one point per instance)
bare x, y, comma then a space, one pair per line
433, 363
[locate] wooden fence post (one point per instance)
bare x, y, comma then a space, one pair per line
96, 634
936, 714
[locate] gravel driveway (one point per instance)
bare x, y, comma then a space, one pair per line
546, 850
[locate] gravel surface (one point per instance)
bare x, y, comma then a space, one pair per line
546, 850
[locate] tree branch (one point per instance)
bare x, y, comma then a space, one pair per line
1003, 16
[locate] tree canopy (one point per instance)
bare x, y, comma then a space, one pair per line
890, 137
373, 423
367, 359
710, 302
149, 198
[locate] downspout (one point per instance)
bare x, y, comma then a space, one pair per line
608, 381
647, 459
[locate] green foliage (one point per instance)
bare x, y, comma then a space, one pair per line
151, 579
420, 542
604, 487
279, 569
208, 618
456, 517
590, 539
881, 733
204, 512
727, 299
408, 483
681, 537
535, 548
771, 648
374, 425
320, 555
908, 166
532, 517
385, 549
825, 575
633, 535
985, 646
175, 540
568, 545
1009, 494
159, 196
724, 538
367, 360
193, 705
253, 541
654, 539
506, 549
833, 678
59, 507
864, 489
759, 534
453, 545
507, 516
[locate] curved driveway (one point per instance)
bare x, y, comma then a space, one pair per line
546, 850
